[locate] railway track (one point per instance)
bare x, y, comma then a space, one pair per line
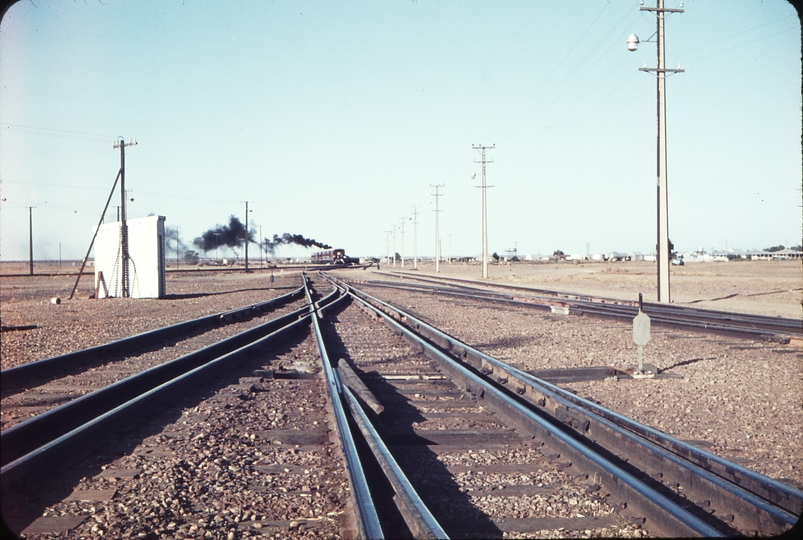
36, 387
279, 459
431, 437
776, 329
453, 467
675, 488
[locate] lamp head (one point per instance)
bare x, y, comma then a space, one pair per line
632, 42
473, 175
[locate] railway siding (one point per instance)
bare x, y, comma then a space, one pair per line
254, 454
476, 475
238, 462
714, 380
33, 397
751, 513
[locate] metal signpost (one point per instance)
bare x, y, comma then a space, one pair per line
641, 336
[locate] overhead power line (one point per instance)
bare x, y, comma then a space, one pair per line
52, 131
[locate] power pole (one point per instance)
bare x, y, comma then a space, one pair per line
437, 233
402, 241
663, 255
484, 211
387, 247
121, 144
177, 248
415, 238
30, 236
246, 236
394, 245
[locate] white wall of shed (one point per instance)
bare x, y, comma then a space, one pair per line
146, 250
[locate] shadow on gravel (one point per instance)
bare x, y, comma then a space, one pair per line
434, 482
687, 362
515, 341
22, 503
201, 295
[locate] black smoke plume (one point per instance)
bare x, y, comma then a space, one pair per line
287, 238
231, 235
171, 237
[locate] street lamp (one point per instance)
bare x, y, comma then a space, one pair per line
663, 255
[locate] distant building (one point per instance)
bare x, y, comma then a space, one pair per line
782, 255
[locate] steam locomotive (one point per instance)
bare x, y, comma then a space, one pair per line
332, 256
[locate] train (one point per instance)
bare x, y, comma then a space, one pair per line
333, 256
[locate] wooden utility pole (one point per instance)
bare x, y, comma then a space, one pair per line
121, 144
484, 209
30, 236
437, 232
415, 238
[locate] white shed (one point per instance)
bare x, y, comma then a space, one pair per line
146, 264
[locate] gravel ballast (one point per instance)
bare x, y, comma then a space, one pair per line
737, 398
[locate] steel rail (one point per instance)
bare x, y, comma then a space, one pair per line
415, 513
61, 447
471, 284
24, 437
772, 323
16, 377
757, 502
367, 518
774, 516
669, 517
779, 493
756, 326
741, 478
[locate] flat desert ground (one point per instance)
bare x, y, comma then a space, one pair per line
772, 288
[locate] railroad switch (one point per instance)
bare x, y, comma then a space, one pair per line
647, 371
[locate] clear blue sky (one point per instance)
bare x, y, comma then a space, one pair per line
335, 117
